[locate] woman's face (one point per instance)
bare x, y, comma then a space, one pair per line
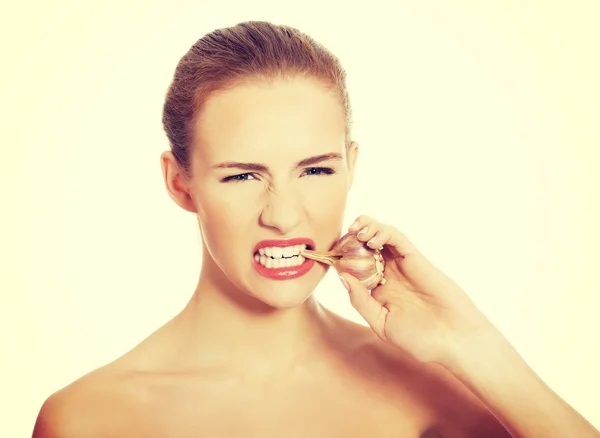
274, 127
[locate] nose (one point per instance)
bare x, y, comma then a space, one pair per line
282, 210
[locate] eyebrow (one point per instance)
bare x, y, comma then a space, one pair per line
262, 168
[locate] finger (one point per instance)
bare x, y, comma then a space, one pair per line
368, 228
368, 232
388, 235
396, 243
401, 244
372, 312
360, 222
380, 238
418, 268
415, 267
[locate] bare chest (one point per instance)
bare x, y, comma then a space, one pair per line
324, 411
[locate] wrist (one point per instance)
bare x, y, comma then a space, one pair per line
484, 343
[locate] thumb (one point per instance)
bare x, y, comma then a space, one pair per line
368, 307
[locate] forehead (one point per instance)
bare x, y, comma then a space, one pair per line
290, 117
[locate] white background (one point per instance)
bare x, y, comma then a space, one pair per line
479, 134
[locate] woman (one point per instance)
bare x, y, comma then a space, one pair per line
259, 122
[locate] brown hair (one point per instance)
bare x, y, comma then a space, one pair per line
224, 58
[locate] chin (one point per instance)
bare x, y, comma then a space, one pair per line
286, 301
280, 296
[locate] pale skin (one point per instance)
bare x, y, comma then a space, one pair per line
254, 357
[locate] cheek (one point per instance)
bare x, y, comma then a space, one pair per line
325, 212
328, 198
224, 220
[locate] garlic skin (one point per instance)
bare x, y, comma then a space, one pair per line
354, 257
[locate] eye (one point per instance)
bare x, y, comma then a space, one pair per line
237, 178
321, 171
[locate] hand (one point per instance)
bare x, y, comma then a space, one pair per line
419, 309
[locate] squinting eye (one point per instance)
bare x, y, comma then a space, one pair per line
320, 171
236, 178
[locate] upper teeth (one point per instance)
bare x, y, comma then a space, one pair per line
278, 252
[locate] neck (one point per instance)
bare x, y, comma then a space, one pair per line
235, 331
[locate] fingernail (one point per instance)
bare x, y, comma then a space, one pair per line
363, 231
345, 283
354, 225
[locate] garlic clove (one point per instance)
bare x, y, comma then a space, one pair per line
352, 256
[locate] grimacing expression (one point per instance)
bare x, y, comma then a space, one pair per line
276, 125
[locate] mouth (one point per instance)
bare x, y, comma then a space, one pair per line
281, 257
274, 267
277, 254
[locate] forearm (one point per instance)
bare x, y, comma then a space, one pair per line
494, 371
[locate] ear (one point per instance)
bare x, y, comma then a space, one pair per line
175, 183
351, 159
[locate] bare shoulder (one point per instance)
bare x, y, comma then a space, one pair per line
452, 410
81, 408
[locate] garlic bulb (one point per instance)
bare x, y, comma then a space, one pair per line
354, 257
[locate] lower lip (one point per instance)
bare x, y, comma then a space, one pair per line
288, 273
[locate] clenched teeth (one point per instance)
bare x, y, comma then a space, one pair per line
277, 252
269, 262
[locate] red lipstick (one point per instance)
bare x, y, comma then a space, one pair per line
287, 273
289, 242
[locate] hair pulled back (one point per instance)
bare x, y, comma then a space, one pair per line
247, 52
